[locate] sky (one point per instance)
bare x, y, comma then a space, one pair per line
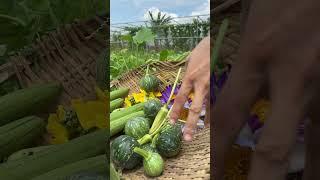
136, 10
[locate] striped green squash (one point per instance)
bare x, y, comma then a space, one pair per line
137, 127
149, 83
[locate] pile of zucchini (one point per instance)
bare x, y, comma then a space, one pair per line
148, 136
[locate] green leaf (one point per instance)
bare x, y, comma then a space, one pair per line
143, 35
164, 55
126, 37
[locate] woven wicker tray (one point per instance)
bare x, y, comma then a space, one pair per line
193, 162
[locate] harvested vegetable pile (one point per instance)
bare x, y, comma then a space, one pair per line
71, 144
140, 127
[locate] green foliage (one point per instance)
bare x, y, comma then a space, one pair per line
144, 35
21, 21
122, 61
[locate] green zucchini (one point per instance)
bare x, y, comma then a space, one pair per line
137, 127
117, 103
119, 93
97, 164
20, 134
83, 147
27, 152
122, 154
153, 164
126, 111
151, 108
27, 101
118, 125
169, 141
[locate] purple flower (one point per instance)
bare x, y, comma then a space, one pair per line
254, 123
166, 94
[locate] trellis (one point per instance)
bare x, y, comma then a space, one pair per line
178, 36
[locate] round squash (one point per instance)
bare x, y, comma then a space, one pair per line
122, 153
137, 127
149, 83
169, 141
151, 109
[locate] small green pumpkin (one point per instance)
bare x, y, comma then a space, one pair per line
151, 109
149, 82
137, 127
170, 140
122, 153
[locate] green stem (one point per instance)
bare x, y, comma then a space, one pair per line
17, 20
162, 114
145, 154
174, 87
154, 140
218, 43
145, 139
147, 72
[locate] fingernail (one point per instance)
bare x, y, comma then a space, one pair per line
187, 137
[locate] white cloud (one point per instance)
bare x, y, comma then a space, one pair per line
202, 9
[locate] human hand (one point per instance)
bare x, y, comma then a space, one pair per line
279, 50
197, 80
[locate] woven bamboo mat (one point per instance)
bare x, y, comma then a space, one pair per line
67, 55
193, 162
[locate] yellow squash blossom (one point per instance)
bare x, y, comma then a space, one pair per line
127, 102
88, 112
59, 134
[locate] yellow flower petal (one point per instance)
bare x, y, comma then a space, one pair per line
59, 134
127, 102
138, 97
158, 94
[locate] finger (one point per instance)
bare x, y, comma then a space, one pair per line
180, 99
232, 109
270, 159
208, 110
312, 134
194, 113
